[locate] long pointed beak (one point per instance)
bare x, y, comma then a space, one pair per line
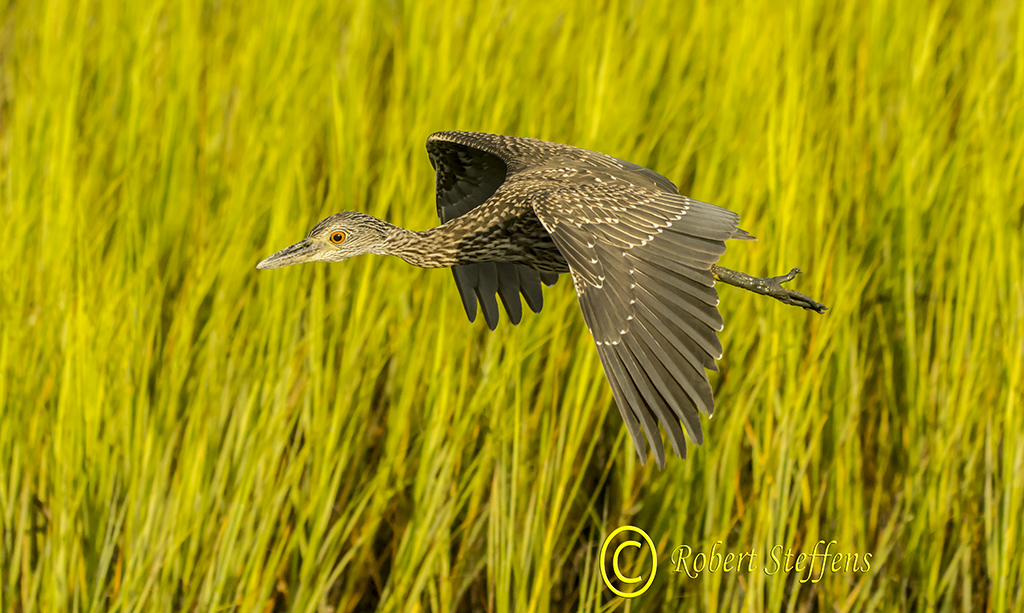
298, 253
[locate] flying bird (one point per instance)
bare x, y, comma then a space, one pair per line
517, 212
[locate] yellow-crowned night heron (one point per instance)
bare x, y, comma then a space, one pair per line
516, 212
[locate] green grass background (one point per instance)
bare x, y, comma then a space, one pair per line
182, 432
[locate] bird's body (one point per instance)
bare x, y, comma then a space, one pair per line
516, 212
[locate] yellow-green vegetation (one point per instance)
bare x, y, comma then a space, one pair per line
180, 431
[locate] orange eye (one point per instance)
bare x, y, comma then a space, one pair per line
337, 238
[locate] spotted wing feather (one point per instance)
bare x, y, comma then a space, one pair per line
641, 261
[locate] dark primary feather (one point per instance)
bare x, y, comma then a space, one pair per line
466, 178
639, 254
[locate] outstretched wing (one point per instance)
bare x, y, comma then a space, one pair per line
641, 261
466, 178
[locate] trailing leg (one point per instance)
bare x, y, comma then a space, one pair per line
771, 286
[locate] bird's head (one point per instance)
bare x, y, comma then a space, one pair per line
336, 238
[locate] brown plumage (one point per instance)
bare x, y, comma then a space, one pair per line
516, 212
